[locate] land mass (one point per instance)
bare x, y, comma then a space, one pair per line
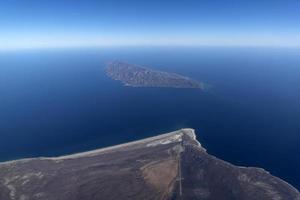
168, 166
137, 76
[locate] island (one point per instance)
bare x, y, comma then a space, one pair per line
137, 76
168, 166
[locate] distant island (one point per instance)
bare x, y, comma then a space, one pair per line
137, 76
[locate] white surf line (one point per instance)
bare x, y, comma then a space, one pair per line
101, 150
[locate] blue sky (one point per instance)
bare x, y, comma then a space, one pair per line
83, 23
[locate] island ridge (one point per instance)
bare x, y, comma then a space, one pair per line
137, 76
169, 166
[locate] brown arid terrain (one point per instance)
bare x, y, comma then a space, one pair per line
168, 166
138, 76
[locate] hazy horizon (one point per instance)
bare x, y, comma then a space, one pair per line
64, 24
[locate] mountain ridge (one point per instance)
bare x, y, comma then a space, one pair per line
168, 166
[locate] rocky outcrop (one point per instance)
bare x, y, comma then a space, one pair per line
168, 166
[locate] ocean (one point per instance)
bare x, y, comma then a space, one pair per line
59, 101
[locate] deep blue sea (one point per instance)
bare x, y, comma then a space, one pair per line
55, 102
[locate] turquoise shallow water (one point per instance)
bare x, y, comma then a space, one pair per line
55, 102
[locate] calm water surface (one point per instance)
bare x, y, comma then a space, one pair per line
54, 102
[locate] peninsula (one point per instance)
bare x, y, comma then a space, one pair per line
168, 166
137, 76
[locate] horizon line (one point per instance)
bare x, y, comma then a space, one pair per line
58, 47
